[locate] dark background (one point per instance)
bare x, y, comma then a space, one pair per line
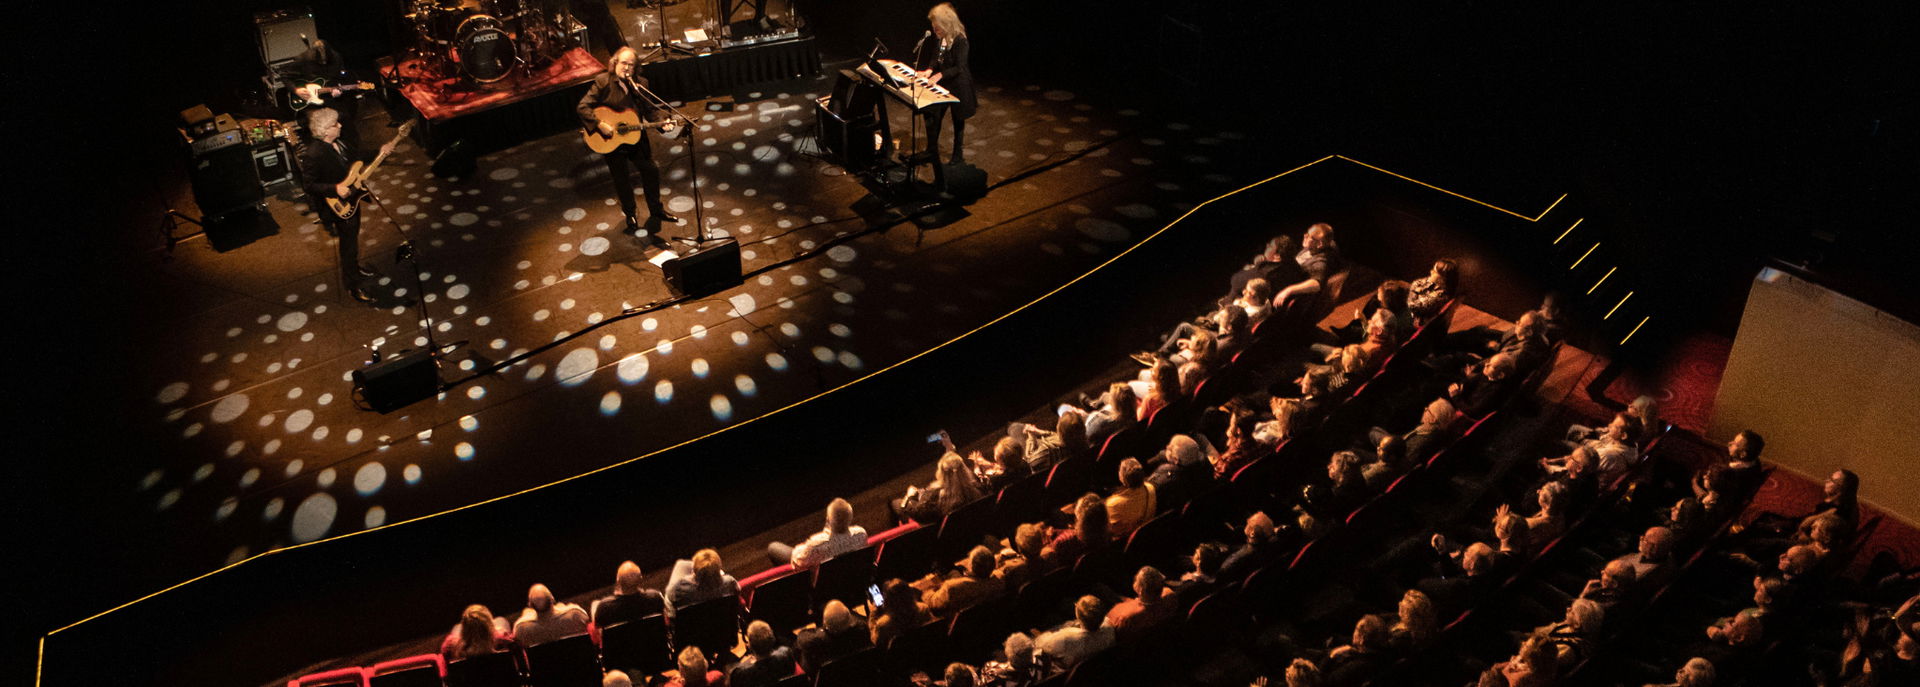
1698, 141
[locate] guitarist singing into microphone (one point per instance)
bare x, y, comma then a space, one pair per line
611, 103
325, 162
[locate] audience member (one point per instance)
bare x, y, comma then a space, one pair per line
1698, 672
1536, 664
693, 672
1262, 546
1089, 531
1114, 414
1183, 465
1303, 673
1366, 653
1653, 562
840, 536
1257, 300
1150, 606
1275, 265
766, 661
1434, 432
1132, 503
900, 610
1162, 389
1739, 475
974, 582
545, 620
1286, 421
1615, 586
1389, 462
1319, 260
1426, 295
1067, 440
1418, 624
1086, 635
697, 580
1572, 638
1487, 385
479, 633
953, 486
1455, 593
839, 633
1016, 667
1206, 561
1242, 447
629, 601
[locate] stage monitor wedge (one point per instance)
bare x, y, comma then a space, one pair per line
710, 267
398, 381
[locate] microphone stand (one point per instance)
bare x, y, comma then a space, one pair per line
693, 159
913, 114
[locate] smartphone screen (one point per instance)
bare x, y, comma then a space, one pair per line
873, 594
933, 438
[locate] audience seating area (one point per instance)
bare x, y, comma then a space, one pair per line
1285, 606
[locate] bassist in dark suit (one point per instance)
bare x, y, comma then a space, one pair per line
616, 88
325, 161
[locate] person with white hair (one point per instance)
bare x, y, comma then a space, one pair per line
840, 536
324, 163
545, 619
1015, 668
1698, 672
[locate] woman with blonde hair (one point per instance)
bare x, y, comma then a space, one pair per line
478, 634
1418, 624
953, 486
943, 61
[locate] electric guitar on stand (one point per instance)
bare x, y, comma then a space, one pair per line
345, 208
627, 129
316, 88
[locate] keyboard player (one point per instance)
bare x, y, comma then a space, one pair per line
944, 62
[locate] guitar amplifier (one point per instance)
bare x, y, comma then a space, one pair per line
283, 34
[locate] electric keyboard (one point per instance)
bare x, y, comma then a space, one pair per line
900, 81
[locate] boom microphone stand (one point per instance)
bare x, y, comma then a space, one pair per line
693, 161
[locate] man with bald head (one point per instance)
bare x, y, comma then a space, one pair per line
620, 88
546, 620
629, 600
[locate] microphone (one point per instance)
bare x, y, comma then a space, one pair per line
922, 41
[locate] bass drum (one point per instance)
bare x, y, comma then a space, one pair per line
484, 49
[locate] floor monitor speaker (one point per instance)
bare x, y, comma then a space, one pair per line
710, 267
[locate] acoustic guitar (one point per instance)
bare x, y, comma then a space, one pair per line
346, 208
627, 129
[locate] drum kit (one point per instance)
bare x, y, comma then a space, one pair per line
485, 41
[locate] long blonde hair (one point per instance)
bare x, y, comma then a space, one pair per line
944, 18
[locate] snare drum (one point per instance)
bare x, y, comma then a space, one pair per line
484, 49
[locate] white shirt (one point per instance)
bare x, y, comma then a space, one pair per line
826, 544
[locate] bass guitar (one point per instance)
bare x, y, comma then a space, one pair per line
346, 208
627, 129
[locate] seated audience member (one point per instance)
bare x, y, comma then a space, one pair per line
1086, 635
697, 580
1028, 543
1434, 432
1349, 367
1513, 545
1150, 607
1367, 653
1257, 300
1487, 386
1303, 673
899, 610
1653, 563
1274, 432
1319, 260
1389, 462
1525, 343
1611, 446
1770, 595
1645, 412
1274, 265
1347, 485
1426, 295
545, 620
1418, 623
1549, 521
1736, 639
1234, 333
478, 634
1009, 464
1554, 322
1132, 503
1379, 343
840, 633
1687, 519
1115, 414
1206, 561
1162, 389
766, 661
1316, 397
1016, 667
1261, 546
1697, 672
1183, 465
956, 675
1388, 305
693, 670
840, 536
1740, 474
954, 591
1838, 513
953, 486
629, 601
1614, 587
1089, 531
616, 678
1242, 447
1455, 593
1536, 664
1046, 449
1573, 637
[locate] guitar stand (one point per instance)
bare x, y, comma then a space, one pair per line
170, 220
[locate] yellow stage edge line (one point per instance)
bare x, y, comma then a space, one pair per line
1583, 256
1603, 280
1616, 306
1636, 329
1556, 240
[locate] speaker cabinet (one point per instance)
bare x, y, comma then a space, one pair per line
284, 34
399, 381
224, 178
713, 266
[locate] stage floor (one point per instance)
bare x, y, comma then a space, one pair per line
239, 384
